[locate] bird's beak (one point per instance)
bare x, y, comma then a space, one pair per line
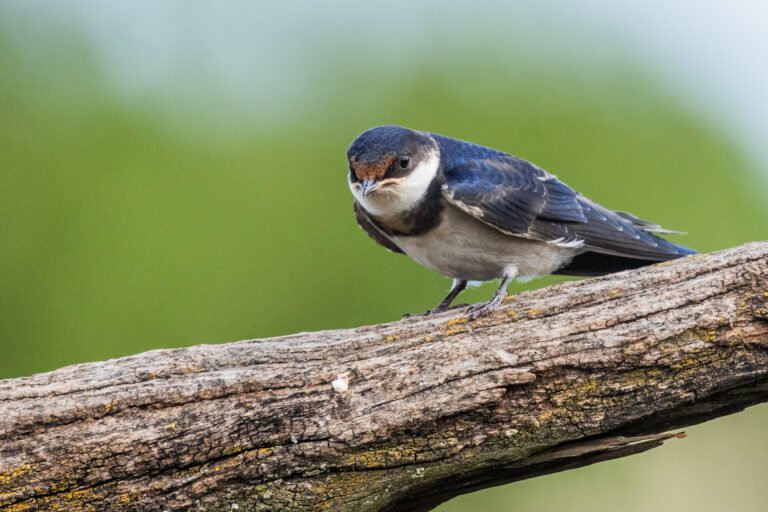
368, 186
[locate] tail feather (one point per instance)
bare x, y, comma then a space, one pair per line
590, 264
648, 227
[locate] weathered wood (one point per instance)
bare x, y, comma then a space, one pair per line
398, 416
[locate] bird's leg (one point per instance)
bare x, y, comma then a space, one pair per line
484, 308
459, 285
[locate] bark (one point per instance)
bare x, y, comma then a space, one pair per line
399, 416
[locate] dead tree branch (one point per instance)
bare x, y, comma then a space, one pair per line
398, 416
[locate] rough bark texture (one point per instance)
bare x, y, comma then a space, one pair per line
399, 416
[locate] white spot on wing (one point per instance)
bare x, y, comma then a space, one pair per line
567, 243
546, 177
472, 210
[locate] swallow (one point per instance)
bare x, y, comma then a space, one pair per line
474, 213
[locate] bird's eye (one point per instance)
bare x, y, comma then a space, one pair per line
405, 160
352, 175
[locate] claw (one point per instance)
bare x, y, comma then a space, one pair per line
483, 309
434, 311
426, 313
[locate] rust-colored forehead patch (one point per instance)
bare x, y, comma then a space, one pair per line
372, 170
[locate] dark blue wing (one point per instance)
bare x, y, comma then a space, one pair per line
521, 199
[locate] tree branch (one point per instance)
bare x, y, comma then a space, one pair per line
400, 416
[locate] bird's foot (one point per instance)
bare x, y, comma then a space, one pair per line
415, 315
434, 311
484, 308
437, 310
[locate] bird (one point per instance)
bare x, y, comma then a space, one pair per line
474, 213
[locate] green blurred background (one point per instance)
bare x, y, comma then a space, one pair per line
174, 174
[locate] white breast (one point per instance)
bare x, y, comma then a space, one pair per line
462, 247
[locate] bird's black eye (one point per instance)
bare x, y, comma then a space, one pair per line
405, 160
352, 176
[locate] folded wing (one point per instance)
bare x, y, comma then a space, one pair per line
521, 199
373, 230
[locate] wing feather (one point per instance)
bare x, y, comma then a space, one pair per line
521, 199
373, 230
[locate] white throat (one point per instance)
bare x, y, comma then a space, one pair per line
400, 197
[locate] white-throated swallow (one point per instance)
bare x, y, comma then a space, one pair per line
477, 214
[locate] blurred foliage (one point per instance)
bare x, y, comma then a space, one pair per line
125, 228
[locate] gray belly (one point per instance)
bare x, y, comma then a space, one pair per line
465, 248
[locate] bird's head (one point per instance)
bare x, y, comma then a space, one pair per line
391, 168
